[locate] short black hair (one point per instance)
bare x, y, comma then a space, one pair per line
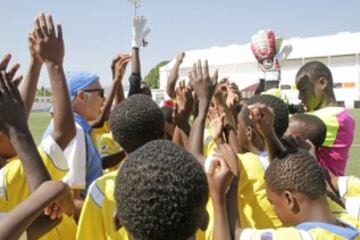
136, 121
279, 107
313, 71
311, 127
160, 189
167, 113
297, 172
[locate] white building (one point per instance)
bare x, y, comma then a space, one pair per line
340, 52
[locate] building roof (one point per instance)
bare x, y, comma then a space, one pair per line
332, 45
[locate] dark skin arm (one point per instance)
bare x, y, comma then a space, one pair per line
135, 86
28, 86
231, 137
112, 160
14, 125
219, 178
174, 75
232, 207
50, 47
204, 87
118, 67
19, 219
181, 114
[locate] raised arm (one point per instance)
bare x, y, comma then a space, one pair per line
174, 75
204, 87
181, 114
138, 39
50, 47
29, 85
219, 178
14, 125
118, 68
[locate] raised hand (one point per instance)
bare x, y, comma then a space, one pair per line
32, 44
263, 46
118, 66
180, 57
47, 41
219, 177
263, 118
12, 115
216, 123
184, 104
138, 32
201, 82
233, 95
225, 152
12, 72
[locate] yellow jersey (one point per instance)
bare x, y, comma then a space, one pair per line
255, 211
107, 146
96, 133
14, 188
96, 219
306, 231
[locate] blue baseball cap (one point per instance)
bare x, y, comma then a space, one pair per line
78, 80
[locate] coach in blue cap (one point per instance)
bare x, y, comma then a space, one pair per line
87, 98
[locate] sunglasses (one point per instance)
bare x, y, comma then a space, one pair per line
101, 91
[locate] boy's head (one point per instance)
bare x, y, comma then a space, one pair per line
169, 123
307, 126
281, 117
293, 184
161, 193
314, 83
136, 121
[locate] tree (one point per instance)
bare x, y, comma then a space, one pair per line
153, 77
43, 92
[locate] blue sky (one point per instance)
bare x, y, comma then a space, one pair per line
95, 31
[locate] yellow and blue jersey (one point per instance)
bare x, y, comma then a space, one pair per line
306, 231
96, 219
14, 188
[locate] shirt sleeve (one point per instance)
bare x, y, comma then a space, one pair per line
135, 84
75, 153
349, 186
53, 158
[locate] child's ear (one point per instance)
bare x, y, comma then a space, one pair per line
203, 220
323, 83
292, 202
116, 222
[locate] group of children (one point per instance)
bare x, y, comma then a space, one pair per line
206, 165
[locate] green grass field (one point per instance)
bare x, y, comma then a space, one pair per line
39, 121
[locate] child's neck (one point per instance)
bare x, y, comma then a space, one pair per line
319, 211
328, 102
